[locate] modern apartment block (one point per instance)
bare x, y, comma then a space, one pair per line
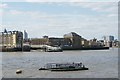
108, 40
25, 35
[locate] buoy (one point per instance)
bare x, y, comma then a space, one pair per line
18, 71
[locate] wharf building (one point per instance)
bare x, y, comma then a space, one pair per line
61, 42
11, 39
46, 41
75, 40
39, 41
95, 43
84, 42
70, 40
56, 41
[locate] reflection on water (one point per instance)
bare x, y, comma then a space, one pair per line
101, 64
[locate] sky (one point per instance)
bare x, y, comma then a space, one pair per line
88, 19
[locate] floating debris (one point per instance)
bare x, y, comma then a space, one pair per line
18, 71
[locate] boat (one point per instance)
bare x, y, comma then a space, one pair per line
53, 49
64, 67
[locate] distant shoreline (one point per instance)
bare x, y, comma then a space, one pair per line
29, 50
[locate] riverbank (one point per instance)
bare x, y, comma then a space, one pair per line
28, 49
23, 49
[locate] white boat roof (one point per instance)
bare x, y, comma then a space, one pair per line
64, 63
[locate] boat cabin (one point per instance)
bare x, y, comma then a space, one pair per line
63, 65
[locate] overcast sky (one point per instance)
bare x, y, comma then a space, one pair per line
88, 19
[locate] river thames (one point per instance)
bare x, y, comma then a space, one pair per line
101, 64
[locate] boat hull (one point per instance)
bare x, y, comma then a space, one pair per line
69, 69
54, 51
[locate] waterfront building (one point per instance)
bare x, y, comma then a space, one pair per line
52, 41
26, 41
0, 41
11, 39
101, 42
47, 41
116, 43
108, 41
75, 39
38, 41
93, 42
67, 43
71, 40
56, 41
25, 36
46, 37
109, 38
84, 42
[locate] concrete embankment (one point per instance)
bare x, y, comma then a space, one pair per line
28, 49
87, 48
24, 48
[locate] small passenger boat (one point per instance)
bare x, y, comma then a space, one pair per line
53, 49
64, 67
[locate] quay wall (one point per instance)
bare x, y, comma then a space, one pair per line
24, 48
28, 49
87, 48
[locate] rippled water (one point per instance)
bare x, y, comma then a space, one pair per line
101, 64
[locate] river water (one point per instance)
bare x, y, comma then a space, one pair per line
101, 64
